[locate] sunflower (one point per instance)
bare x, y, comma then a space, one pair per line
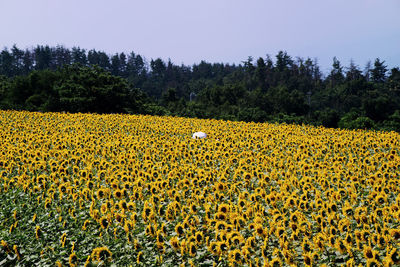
373, 262
221, 216
275, 262
146, 212
193, 208
251, 242
350, 263
348, 211
103, 254
392, 256
220, 225
368, 252
103, 208
279, 231
295, 217
381, 241
341, 246
365, 235
381, 199
73, 259
333, 207
344, 225
150, 230
332, 241
120, 217
245, 251
63, 239
259, 229
62, 188
38, 232
220, 187
192, 249
289, 258
333, 231
224, 208
174, 242
242, 203
101, 193
123, 204
104, 223
160, 237
306, 245
265, 251
235, 256
128, 226
199, 237
223, 247
5, 246
140, 258
308, 259
118, 194
349, 239
16, 251
395, 234
179, 229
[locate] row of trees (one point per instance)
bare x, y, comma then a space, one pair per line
281, 89
72, 88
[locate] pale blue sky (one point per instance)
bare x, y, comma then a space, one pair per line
226, 31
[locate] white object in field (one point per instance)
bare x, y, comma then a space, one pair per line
199, 135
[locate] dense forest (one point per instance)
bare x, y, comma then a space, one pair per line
275, 89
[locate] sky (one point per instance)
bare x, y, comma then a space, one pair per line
217, 31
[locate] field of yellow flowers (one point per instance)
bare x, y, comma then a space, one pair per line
87, 189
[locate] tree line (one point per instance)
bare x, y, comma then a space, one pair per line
274, 89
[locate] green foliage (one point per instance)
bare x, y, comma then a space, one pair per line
353, 120
4, 89
91, 89
73, 88
252, 114
379, 71
393, 122
378, 108
328, 117
154, 109
285, 118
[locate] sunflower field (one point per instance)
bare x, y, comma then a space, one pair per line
121, 190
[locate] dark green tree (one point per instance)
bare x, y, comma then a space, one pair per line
394, 81
78, 56
353, 73
378, 107
4, 89
18, 60
336, 76
43, 57
91, 89
7, 63
156, 84
27, 62
261, 74
118, 65
93, 57
43, 97
378, 73
62, 56
283, 61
